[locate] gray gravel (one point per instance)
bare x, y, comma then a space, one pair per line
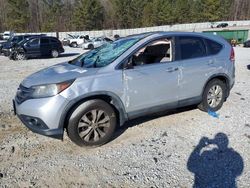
148, 152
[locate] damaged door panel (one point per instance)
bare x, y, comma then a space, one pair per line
153, 78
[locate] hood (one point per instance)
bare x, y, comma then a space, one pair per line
8, 45
56, 74
2, 43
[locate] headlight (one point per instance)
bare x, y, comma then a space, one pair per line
49, 90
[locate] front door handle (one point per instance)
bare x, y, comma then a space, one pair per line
172, 69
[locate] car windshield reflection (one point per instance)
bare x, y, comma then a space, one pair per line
106, 54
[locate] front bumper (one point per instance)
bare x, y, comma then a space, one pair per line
43, 115
6, 52
36, 125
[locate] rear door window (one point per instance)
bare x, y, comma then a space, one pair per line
44, 41
191, 47
34, 42
213, 47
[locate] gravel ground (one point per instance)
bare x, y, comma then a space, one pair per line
155, 151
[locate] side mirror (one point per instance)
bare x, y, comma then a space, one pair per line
128, 64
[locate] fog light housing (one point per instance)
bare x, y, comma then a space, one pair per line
33, 122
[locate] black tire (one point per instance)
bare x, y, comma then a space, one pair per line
91, 47
204, 105
78, 124
74, 44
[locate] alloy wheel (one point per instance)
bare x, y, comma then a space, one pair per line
55, 53
93, 125
214, 96
20, 56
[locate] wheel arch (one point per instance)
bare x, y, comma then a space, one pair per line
222, 77
108, 97
91, 46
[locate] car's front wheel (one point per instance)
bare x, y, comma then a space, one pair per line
20, 56
213, 96
92, 123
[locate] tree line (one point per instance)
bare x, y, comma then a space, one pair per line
80, 15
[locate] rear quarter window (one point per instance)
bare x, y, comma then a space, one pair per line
54, 41
191, 47
213, 47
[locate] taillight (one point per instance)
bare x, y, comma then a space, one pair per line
232, 55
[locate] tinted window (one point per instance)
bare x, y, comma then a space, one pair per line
191, 47
44, 41
213, 47
53, 41
15, 39
34, 42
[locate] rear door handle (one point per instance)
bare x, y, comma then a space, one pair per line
172, 69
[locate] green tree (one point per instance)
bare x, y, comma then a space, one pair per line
225, 9
210, 10
158, 12
88, 15
18, 15
183, 11
122, 13
53, 13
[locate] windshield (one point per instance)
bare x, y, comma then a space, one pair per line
10, 39
24, 40
16, 39
105, 54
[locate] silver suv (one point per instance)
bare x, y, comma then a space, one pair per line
134, 76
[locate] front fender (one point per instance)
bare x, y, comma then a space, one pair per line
115, 101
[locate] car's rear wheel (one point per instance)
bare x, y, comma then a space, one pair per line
20, 56
54, 53
92, 123
213, 96
91, 47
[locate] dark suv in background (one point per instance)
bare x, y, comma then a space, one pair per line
6, 46
42, 46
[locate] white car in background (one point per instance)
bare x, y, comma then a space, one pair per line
7, 35
78, 41
96, 42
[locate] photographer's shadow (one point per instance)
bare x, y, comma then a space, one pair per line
214, 164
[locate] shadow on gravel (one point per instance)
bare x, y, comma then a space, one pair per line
60, 56
68, 54
214, 164
144, 119
248, 67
